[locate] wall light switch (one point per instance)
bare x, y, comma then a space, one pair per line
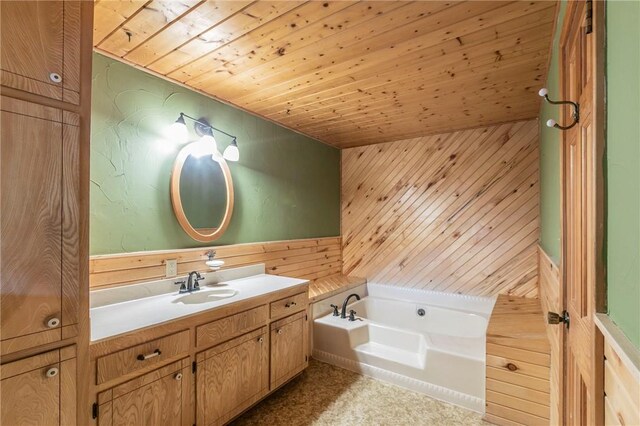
171, 268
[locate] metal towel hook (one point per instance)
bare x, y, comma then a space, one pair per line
551, 122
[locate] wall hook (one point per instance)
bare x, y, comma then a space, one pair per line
551, 122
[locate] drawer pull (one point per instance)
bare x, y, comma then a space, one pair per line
178, 376
53, 322
260, 339
290, 304
279, 331
155, 353
52, 372
55, 77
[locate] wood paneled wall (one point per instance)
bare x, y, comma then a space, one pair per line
310, 259
455, 212
550, 299
621, 375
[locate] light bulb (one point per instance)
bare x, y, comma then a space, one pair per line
206, 145
543, 92
232, 153
551, 122
178, 132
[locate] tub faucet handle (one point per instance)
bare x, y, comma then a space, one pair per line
352, 316
335, 310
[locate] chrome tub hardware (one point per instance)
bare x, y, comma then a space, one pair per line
336, 313
343, 314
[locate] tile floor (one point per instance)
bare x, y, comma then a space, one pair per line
328, 395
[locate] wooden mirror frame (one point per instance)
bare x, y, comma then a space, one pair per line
176, 200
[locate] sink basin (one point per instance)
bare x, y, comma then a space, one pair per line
206, 295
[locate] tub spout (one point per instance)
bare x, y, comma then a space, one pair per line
343, 314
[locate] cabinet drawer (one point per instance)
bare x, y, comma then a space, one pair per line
289, 305
224, 329
141, 356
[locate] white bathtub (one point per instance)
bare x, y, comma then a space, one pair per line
441, 353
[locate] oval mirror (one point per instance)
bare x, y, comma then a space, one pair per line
201, 194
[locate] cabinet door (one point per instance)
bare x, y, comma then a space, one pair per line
231, 377
288, 348
39, 390
38, 225
40, 43
156, 399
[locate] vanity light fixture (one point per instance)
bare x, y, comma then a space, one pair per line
206, 145
178, 130
231, 152
551, 122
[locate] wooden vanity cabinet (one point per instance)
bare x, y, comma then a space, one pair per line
40, 281
40, 48
40, 390
288, 348
158, 398
231, 377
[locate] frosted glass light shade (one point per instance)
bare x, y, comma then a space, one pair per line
232, 153
178, 131
551, 122
543, 92
206, 145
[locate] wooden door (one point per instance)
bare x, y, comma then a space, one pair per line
40, 390
288, 348
158, 398
39, 228
231, 377
583, 351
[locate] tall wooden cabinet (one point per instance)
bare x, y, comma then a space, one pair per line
45, 82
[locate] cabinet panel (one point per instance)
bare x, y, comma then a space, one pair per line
39, 390
288, 348
32, 44
288, 305
158, 398
31, 224
231, 377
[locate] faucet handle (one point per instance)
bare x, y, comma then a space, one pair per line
335, 310
352, 316
183, 286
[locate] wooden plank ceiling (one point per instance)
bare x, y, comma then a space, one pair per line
347, 73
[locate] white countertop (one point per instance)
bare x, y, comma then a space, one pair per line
124, 309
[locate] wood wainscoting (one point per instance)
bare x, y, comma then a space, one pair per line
621, 375
310, 259
550, 299
456, 212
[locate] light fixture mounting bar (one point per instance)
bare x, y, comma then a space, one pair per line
207, 125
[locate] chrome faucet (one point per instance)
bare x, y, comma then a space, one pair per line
191, 284
343, 314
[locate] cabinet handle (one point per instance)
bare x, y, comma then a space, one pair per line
279, 331
53, 322
155, 353
178, 376
52, 372
260, 339
290, 304
55, 77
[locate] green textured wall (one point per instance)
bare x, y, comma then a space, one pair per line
623, 166
286, 185
550, 215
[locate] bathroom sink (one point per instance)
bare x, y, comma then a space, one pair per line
206, 295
